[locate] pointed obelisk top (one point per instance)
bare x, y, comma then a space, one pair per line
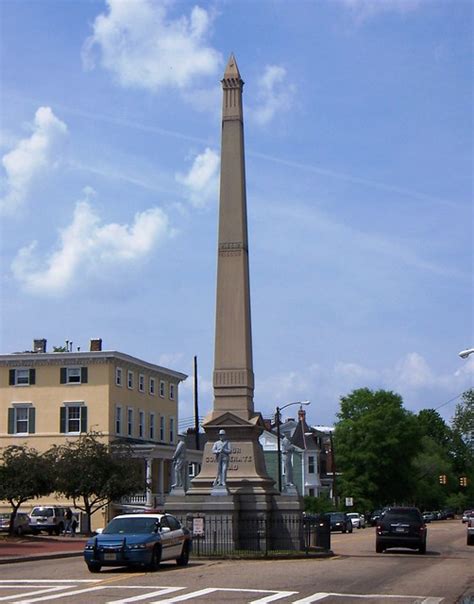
231, 70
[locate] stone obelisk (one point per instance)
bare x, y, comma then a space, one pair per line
233, 379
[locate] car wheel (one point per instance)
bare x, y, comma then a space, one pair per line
344, 530
50, 532
470, 540
94, 567
184, 558
19, 531
379, 548
35, 531
155, 558
422, 549
59, 529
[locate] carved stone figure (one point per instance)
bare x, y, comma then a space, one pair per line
180, 465
221, 449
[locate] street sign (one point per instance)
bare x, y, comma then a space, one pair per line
349, 502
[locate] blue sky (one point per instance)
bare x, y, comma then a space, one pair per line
359, 136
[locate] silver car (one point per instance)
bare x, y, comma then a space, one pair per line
21, 524
358, 520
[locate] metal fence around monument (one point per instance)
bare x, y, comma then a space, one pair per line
221, 536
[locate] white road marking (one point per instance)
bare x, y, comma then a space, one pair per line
321, 595
161, 592
202, 592
62, 595
44, 590
4, 581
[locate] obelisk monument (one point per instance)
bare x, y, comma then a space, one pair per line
233, 379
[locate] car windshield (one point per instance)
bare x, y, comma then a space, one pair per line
405, 516
337, 516
4, 516
137, 526
42, 512
353, 515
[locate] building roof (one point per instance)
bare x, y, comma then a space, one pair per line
23, 359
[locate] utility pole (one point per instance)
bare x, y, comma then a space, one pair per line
196, 406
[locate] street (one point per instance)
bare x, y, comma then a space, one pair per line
356, 573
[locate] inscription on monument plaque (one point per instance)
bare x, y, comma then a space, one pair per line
236, 459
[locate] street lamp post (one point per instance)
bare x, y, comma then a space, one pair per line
277, 418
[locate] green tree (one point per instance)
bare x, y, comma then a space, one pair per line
463, 420
24, 474
376, 441
93, 474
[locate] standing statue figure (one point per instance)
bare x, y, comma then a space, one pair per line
287, 449
221, 449
179, 464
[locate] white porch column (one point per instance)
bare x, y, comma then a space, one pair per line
161, 480
149, 486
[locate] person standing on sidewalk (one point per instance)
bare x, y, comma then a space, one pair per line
69, 519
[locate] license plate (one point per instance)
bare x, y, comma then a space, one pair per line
400, 529
110, 557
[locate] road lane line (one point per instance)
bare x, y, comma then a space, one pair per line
203, 592
161, 592
3, 581
321, 595
62, 595
31, 593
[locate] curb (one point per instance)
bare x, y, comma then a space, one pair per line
51, 556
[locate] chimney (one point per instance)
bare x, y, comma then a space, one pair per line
96, 345
39, 345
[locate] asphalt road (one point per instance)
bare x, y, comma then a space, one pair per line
445, 574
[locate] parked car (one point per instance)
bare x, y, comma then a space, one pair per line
139, 539
340, 521
449, 514
466, 514
428, 516
21, 524
470, 530
358, 520
401, 527
374, 517
49, 518
437, 515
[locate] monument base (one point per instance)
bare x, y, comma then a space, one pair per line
227, 524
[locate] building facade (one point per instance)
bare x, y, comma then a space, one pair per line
48, 398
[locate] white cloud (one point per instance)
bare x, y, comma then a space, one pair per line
274, 95
362, 10
202, 180
30, 157
410, 376
87, 248
144, 48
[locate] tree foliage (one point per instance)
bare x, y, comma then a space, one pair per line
375, 441
93, 474
24, 474
463, 420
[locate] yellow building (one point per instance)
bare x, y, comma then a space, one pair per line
48, 398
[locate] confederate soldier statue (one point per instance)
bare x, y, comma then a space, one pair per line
221, 450
180, 465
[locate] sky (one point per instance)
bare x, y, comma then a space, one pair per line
359, 161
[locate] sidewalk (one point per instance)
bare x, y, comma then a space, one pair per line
27, 548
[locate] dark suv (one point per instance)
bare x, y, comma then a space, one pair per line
401, 527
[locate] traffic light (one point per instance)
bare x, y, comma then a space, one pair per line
463, 481
443, 479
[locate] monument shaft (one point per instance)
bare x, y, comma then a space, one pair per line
233, 366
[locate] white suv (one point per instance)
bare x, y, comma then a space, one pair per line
49, 518
470, 530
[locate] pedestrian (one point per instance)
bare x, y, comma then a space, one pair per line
74, 524
69, 517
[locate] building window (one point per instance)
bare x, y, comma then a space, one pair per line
172, 392
162, 428
311, 464
311, 492
141, 424
73, 375
193, 469
162, 388
118, 420
171, 429
130, 422
73, 418
141, 382
152, 426
22, 377
21, 419
118, 376
152, 385
130, 379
